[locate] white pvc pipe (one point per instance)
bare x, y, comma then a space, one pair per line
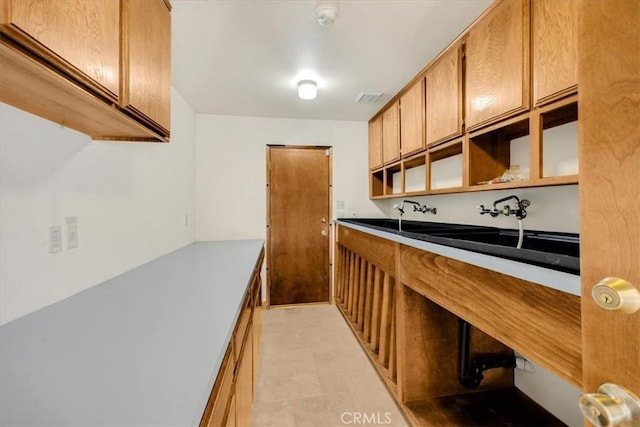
520, 234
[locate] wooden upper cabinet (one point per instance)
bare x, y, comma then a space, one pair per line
101, 67
375, 143
80, 37
444, 97
555, 49
497, 64
412, 119
391, 133
146, 59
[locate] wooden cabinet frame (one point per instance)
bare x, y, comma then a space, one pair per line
233, 391
451, 67
403, 306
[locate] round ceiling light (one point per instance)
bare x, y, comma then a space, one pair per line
326, 14
307, 89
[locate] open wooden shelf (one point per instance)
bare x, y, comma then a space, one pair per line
535, 141
453, 170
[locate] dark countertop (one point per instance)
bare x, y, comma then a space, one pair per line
560, 280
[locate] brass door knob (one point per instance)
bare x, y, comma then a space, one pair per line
612, 406
613, 293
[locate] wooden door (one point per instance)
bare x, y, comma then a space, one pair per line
497, 58
298, 224
79, 37
444, 97
391, 133
146, 61
554, 46
375, 143
609, 108
412, 119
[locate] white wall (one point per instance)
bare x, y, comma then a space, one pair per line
130, 199
552, 208
231, 169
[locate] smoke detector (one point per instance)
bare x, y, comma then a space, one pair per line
326, 14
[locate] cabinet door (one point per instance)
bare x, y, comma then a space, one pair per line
375, 143
412, 119
79, 37
146, 60
497, 58
391, 133
555, 49
444, 97
244, 383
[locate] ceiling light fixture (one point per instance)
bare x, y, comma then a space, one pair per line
307, 89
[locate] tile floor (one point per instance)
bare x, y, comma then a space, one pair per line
313, 372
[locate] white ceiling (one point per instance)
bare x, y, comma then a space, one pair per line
245, 57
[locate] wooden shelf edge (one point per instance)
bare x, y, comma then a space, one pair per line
559, 97
497, 122
542, 182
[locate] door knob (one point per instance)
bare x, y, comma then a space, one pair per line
613, 293
612, 406
323, 232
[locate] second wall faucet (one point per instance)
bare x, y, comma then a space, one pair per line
519, 210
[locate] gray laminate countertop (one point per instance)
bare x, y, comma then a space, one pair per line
559, 280
141, 349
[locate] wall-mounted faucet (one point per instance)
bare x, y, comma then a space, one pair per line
417, 207
519, 211
520, 208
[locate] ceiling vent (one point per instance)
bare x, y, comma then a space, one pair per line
368, 98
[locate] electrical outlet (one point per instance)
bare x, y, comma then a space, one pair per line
71, 223
340, 205
524, 365
55, 239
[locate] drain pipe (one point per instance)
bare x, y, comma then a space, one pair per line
470, 368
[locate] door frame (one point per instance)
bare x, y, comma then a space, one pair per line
268, 148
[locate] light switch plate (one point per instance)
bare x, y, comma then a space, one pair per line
55, 239
71, 223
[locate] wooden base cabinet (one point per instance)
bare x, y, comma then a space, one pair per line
231, 399
405, 306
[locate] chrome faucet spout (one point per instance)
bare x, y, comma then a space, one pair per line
417, 207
